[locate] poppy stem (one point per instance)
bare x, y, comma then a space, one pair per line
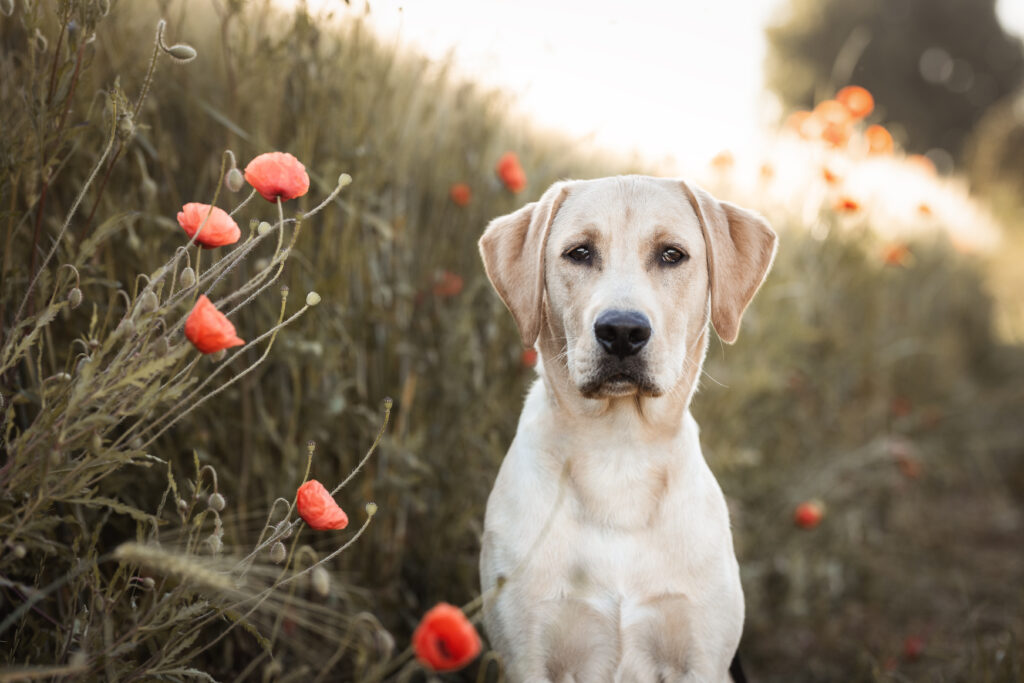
373, 447
244, 202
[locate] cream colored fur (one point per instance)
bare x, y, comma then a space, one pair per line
607, 554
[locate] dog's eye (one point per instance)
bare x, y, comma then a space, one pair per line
580, 254
673, 255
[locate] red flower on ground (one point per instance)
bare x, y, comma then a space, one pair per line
277, 174
808, 514
317, 507
460, 194
846, 205
208, 329
445, 640
511, 172
447, 284
857, 100
879, 140
220, 228
528, 358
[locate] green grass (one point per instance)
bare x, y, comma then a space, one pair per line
844, 369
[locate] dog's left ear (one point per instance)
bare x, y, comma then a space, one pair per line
740, 249
512, 248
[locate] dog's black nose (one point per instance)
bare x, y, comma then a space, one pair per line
622, 333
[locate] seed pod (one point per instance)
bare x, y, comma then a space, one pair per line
188, 277
161, 347
263, 228
321, 581
19, 551
344, 180
234, 180
371, 509
148, 582
215, 501
277, 552
312, 299
75, 297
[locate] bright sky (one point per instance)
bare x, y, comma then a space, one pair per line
680, 79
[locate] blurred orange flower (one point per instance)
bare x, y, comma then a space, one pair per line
723, 160
830, 176
837, 124
797, 120
447, 284
808, 514
318, 508
921, 162
277, 174
511, 172
879, 140
767, 172
896, 254
460, 194
846, 205
924, 209
220, 228
528, 358
445, 640
208, 329
857, 100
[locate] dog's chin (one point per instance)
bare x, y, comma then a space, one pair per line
619, 385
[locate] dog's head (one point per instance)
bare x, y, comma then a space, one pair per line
619, 277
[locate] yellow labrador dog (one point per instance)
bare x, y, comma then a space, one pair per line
607, 554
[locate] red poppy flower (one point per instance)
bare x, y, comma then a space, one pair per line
896, 255
857, 100
277, 174
445, 640
447, 284
808, 514
836, 122
460, 194
879, 140
208, 329
846, 205
220, 229
317, 507
511, 172
528, 358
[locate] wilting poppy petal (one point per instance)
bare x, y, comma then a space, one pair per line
857, 100
208, 329
318, 508
879, 140
220, 228
445, 640
277, 174
460, 194
511, 172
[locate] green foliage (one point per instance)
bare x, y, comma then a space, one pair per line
888, 47
113, 561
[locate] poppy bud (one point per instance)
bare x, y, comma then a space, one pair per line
312, 299
371, 509
19, 551
283, 529
182, 505
148, 302
181, 53
188, 277
277, 553
344, 180
75, 297
234, 179
149, 583
321, 581
216, 502
161, 347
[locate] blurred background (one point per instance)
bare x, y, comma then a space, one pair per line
879, 375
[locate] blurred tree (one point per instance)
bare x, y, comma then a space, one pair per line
934, 66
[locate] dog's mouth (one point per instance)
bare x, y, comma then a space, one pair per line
618, 382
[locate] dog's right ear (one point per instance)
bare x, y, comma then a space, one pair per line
512, 248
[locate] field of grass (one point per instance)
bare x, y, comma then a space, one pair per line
868, 374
